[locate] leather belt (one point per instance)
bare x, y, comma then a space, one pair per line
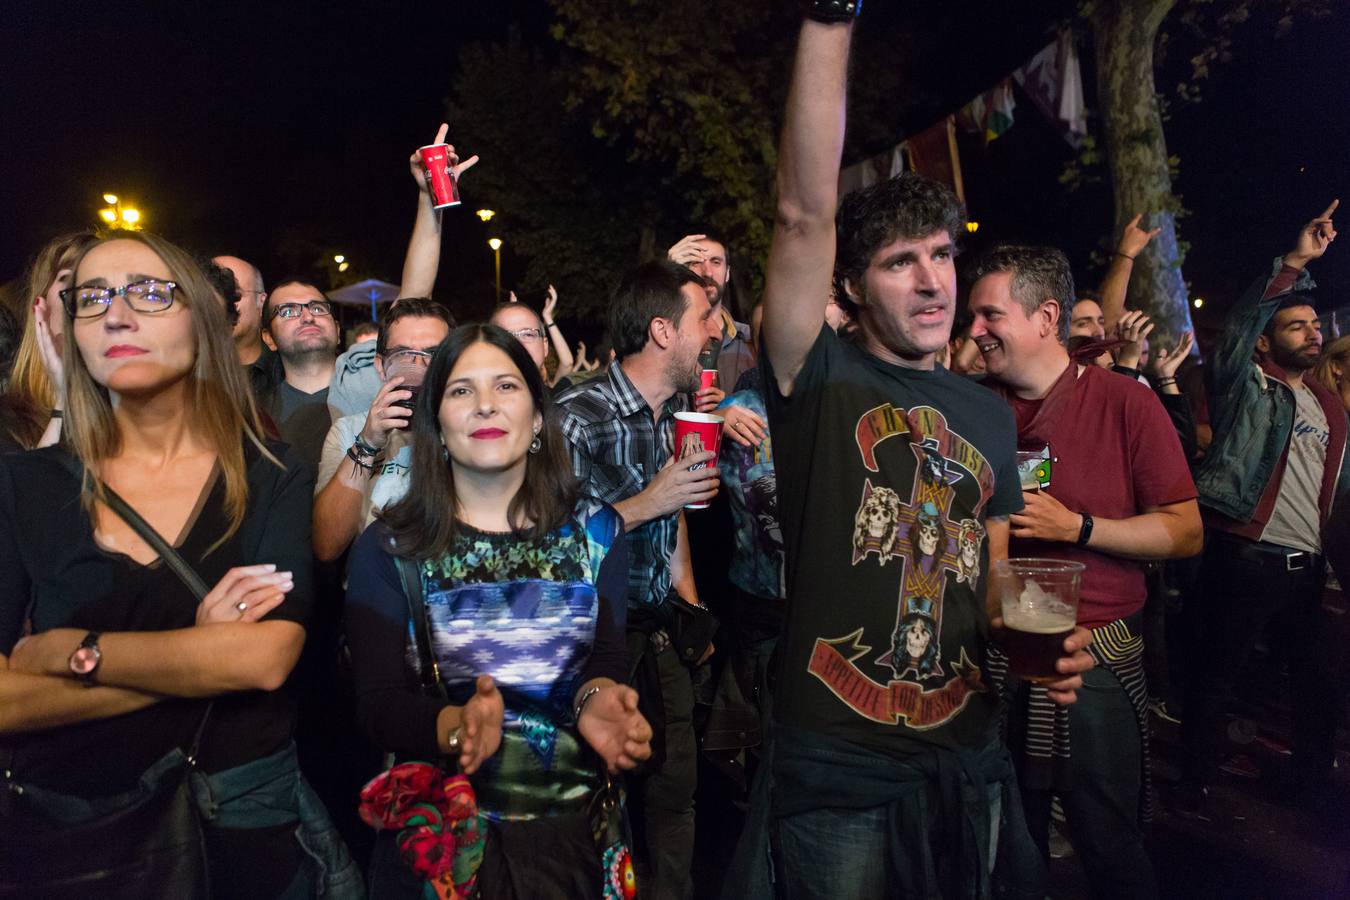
1265, 553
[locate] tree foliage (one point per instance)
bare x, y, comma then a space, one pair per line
563, 201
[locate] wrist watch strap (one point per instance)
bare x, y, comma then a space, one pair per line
1085, 533
832, 10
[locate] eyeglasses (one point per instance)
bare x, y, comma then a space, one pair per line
407, 357
528, 335
317, 309
148, 296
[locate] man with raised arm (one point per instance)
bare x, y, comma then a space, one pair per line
887, 775
1269, 488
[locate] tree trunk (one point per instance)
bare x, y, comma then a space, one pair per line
1124, 32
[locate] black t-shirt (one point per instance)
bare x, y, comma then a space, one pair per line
302, 420
48, 554
885, 475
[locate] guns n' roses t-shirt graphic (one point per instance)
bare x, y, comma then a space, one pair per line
888, 476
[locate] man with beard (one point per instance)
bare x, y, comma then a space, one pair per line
881, 782
620, 429
707, 256
1269, 485
298, 325
1120, 492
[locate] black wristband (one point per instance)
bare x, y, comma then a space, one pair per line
56, 414
1126, 255
367, 467
832, 10
363, 448
1085, 533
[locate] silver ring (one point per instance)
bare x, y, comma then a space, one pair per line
242, 607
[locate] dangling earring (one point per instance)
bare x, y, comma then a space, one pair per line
445, 453
536, 444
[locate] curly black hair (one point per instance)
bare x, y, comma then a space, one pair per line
908, 206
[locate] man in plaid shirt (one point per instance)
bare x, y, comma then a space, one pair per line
620, 429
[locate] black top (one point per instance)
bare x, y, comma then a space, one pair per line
48, 553
885, 475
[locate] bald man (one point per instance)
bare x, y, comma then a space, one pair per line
261, 365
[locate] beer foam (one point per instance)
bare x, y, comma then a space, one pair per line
1039, 612
1034, 623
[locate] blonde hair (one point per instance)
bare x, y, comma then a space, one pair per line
30, 390
1338, 351
220, 407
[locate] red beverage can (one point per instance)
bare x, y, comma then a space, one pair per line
707, 379
441, 181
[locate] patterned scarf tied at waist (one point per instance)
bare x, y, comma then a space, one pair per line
1116, 646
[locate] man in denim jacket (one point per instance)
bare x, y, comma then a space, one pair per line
1267, 487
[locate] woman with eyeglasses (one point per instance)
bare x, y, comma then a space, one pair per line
122, 661
523, 585
30, 408
538, 334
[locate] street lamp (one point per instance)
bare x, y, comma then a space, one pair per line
496, 245
486, 214
119, 216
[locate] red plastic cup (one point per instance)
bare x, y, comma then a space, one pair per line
440, 180
707, 379
695, 433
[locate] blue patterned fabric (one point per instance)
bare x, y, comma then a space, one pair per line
524, 612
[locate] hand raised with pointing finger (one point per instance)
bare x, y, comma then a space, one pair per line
1314, 238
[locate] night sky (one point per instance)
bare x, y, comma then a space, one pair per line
251, 128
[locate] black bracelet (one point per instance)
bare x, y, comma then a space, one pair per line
363, 448
1085, 533
548, 325
367, 467
830, 11
56, 414
1164, 382
1126, 255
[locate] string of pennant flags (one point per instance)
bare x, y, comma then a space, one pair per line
1051, 80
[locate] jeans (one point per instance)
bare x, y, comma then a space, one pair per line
1242, 590
1101, 810
844, 852
667, 794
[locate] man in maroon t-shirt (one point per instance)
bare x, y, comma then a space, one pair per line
1118, 490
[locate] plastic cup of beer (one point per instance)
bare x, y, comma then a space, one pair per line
1040, 609
411, 366
694, 433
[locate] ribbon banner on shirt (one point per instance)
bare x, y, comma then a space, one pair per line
896, 701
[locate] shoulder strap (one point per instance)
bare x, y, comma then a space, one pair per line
411, 576
172, 559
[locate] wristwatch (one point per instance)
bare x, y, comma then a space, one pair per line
830, 11
1085, 533
86, 659
454, 740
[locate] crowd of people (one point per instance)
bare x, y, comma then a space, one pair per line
444, 614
